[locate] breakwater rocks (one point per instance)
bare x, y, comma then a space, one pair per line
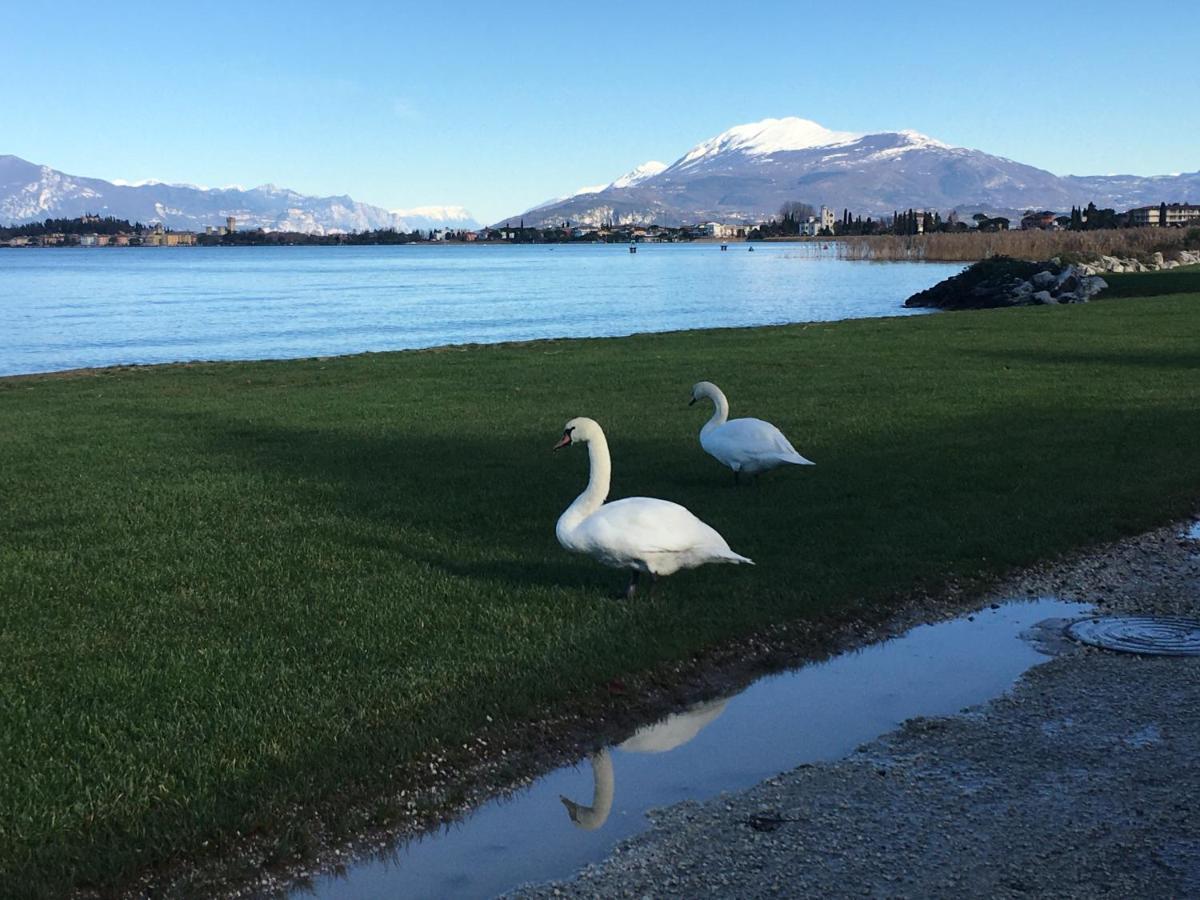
1153, 264
1002, 281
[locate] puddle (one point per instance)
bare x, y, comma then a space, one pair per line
1192, 533
576, 814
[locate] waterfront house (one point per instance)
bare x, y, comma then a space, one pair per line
1177, 215
1044, 220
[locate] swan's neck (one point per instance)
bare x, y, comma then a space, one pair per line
596, 491
720, 409
592, 817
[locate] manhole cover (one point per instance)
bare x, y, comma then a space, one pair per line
1149, 635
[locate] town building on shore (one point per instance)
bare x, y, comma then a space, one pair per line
1166, 215
817, 225
160, 237
1044, 220
718, 230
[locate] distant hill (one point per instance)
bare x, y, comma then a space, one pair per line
30, 192
748, 172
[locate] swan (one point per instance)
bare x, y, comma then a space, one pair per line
745, 445
673, 731
638, 533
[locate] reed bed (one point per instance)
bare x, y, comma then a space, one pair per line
1032, 245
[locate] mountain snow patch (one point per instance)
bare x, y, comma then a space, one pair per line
641, 173
767, 137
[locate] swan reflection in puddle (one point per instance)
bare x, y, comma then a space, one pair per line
667, 734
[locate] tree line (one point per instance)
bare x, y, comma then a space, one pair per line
81, 225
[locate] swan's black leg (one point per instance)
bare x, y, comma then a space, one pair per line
653, 583
737, 477
633, 584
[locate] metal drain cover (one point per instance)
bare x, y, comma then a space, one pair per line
1147, 635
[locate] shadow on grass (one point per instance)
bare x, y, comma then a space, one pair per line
1068, 356
919, 501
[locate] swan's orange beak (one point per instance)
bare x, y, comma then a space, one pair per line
565, 442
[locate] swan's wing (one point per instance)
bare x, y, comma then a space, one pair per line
642, 525
762, 436
742, 441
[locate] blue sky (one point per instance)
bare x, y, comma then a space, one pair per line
499, 106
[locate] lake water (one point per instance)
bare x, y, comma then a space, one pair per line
71, 308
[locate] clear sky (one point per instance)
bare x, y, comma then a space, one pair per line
498, 106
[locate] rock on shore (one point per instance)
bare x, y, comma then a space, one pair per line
1156, 262
1002, 281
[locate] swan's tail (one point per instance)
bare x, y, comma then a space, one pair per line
737, 559
796, 459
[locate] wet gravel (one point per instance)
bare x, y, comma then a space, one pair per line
1081, 782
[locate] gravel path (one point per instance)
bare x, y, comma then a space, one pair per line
1084, 781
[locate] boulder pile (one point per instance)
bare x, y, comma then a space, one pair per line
1153, 264
1002, 281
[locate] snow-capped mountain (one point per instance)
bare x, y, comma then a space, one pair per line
748, 172
633, 177
425, 217
30, 192
767, 137
639, 174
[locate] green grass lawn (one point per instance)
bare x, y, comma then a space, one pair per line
229, 588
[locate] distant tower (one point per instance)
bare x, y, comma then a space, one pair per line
826, 218
230, 224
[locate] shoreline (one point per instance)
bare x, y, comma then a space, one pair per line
530, 344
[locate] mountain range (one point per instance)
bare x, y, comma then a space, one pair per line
744, 174
747, 173
30, 192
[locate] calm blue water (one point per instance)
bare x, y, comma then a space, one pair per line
64, 309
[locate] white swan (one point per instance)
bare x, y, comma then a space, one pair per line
667, 734
745, 445
638, 533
